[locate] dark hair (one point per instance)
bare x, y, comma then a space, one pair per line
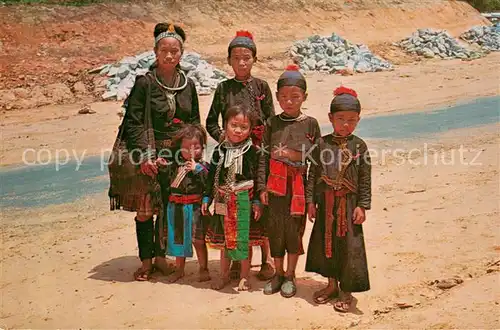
345, 102
345, 99
190, 131
163, 27
243, 39
236, 110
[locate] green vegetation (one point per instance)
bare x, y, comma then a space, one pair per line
485, 5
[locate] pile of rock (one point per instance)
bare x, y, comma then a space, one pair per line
121, 75
334, 53
436, 44
487, 37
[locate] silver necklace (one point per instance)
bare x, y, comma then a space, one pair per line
299, 117
171, 89
243, 81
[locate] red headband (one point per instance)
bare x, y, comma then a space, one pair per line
244, 33
344, 90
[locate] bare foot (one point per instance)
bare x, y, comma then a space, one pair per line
220, 283
204, 275
164, 267
177, 275
244, 285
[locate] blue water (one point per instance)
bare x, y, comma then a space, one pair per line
35, 186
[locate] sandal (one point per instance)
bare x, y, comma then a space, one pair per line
243, 285
344, 304
142, 275
274, 285
289, 288
321, 297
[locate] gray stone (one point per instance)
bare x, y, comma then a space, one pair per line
193, 58
113, 81
311, 63
186, 66
122, 74
109, 95
321, 63
487, 37
113, 71
105, 69
439, 43
123, 71
426, 52
362, 67
328, 54
98, 69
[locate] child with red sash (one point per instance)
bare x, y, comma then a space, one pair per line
287, 141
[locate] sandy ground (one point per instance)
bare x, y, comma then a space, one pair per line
70, 266
410, 87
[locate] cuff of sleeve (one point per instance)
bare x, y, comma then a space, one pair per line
365, 206
206, 200
256, 202
199, 168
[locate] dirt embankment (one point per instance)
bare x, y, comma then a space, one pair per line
45, 50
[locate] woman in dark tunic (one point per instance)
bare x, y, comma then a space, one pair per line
252, 93
338, 193
173, 101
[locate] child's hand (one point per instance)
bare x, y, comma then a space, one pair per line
204, 209
311, 211
264, 198
257, 212
149, 168
191, 165
359, 215
161, 162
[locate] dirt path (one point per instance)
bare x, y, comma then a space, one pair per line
410, 87
71, 265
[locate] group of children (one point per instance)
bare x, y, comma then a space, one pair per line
267, 174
